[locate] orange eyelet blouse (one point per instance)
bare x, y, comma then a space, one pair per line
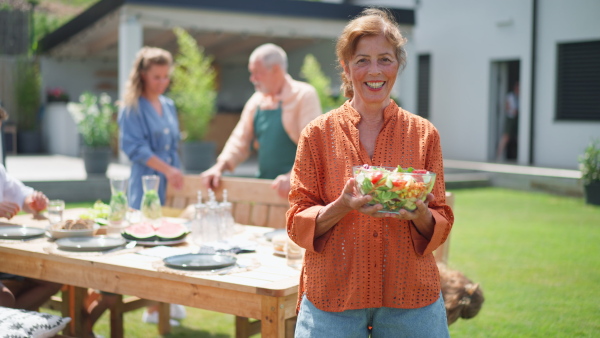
365, 262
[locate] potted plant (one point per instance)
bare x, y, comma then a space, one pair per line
589, 163
95, 121
60, 135
194, 94
56, 94
28, 104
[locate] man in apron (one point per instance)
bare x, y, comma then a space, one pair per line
271, 121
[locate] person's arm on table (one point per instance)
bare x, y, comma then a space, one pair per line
35, 203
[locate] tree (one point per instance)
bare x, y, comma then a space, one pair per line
193, 87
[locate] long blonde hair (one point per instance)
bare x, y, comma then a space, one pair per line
144, 59
370, 22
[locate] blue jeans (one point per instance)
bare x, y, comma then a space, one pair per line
428, 321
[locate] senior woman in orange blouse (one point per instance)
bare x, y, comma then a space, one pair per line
367, 272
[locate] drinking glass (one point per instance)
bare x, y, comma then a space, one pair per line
293, 254
55, 211
151, 208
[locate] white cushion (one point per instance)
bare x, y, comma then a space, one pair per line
15, 323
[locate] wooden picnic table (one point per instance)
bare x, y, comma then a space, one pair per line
268, 292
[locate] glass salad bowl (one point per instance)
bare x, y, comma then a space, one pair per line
394, 187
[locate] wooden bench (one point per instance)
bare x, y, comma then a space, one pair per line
252, 199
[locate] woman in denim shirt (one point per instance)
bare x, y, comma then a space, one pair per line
149, 136
149, 129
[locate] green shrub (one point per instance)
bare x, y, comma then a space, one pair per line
95, 119
589, 162
311, 71
193, 87
28, 94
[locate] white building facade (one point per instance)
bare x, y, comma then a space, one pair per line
473, 51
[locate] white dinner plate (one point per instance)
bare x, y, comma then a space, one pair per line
20, 232
95, 243
199, 261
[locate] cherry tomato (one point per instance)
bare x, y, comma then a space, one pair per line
376, 177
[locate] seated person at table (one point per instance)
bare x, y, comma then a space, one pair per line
16, 291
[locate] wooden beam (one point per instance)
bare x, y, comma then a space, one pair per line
97, 45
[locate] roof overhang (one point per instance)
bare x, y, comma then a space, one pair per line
227, 29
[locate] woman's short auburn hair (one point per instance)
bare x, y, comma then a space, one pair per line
370, 22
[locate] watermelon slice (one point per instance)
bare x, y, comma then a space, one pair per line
169, 231
143, 231
148, 232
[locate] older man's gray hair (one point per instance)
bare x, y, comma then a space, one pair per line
270, 54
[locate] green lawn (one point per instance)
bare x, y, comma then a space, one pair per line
538, 261
535, 255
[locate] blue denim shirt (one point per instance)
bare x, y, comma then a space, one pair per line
143, 133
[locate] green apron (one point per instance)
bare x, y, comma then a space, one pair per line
277, 151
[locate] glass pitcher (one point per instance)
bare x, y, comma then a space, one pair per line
118, 201
151, 208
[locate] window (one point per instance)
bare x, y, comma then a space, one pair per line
578, 81
423, 77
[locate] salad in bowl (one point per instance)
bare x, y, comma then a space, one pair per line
394, 187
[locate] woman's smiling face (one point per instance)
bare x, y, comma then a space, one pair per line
373, 70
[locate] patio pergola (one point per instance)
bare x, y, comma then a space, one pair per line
227, 29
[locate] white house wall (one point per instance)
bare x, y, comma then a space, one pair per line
558, 143
463, 39
77, 76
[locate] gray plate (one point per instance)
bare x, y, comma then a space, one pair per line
95, 243
20, 232
199, 261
